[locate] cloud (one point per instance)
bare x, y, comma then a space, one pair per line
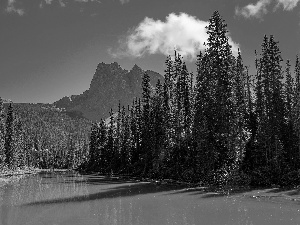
48, 1
183, 32
85, 1
253, 10
61, 3
260, 8
12, 9
124, 1
287, 4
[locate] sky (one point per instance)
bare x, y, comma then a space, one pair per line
51, 48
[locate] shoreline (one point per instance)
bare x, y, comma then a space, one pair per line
268, 194
18, 172
28, 171
273, 194
7, 176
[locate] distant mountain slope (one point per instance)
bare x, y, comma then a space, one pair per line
47, 118
46, 136
109, 85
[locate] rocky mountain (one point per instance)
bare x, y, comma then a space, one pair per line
110, 84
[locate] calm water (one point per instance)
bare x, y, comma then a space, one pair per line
66, 198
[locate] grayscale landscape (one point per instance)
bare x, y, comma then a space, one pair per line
149, 112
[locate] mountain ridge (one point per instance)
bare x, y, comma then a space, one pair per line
109, 85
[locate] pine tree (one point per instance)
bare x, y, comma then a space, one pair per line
219, 128
289, 136
289, 92
220, 53
110, 144
296, 112
93, 147
276, 111
136, 134
169, 73
145, 125
270, 110
157, 128
2, 133
242, 134
102, 150
124, 142
204, 155
251, 124
19, 143
133, 136
9, 137
224, 126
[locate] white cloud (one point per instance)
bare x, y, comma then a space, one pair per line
48, 1
12, 9
61, 3
260, 8
254, 10
287, 4
183, 32
124, 1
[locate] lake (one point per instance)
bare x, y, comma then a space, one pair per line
63, 198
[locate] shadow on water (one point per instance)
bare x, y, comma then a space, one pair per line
290, 191
99, 181
126, 189
214, 192
290, 194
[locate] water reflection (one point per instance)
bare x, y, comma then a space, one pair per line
68, 198
6, 204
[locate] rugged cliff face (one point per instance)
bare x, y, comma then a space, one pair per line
109, 85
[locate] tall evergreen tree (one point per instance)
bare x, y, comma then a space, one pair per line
289, 92
110, 144
102, 150
124, 142
93, 147
145, 125
289, 137
270, 110
158, 129
2, 133
9, 137
296, 111
204, 152
219, 112
240, 109
19, 144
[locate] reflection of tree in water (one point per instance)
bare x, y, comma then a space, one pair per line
39, 187
5, 203
59, 186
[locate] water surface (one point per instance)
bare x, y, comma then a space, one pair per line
64, 198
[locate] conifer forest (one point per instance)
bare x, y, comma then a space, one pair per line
220, 125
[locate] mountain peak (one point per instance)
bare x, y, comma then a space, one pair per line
110, 85
112, 66
136, 68
115, 65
